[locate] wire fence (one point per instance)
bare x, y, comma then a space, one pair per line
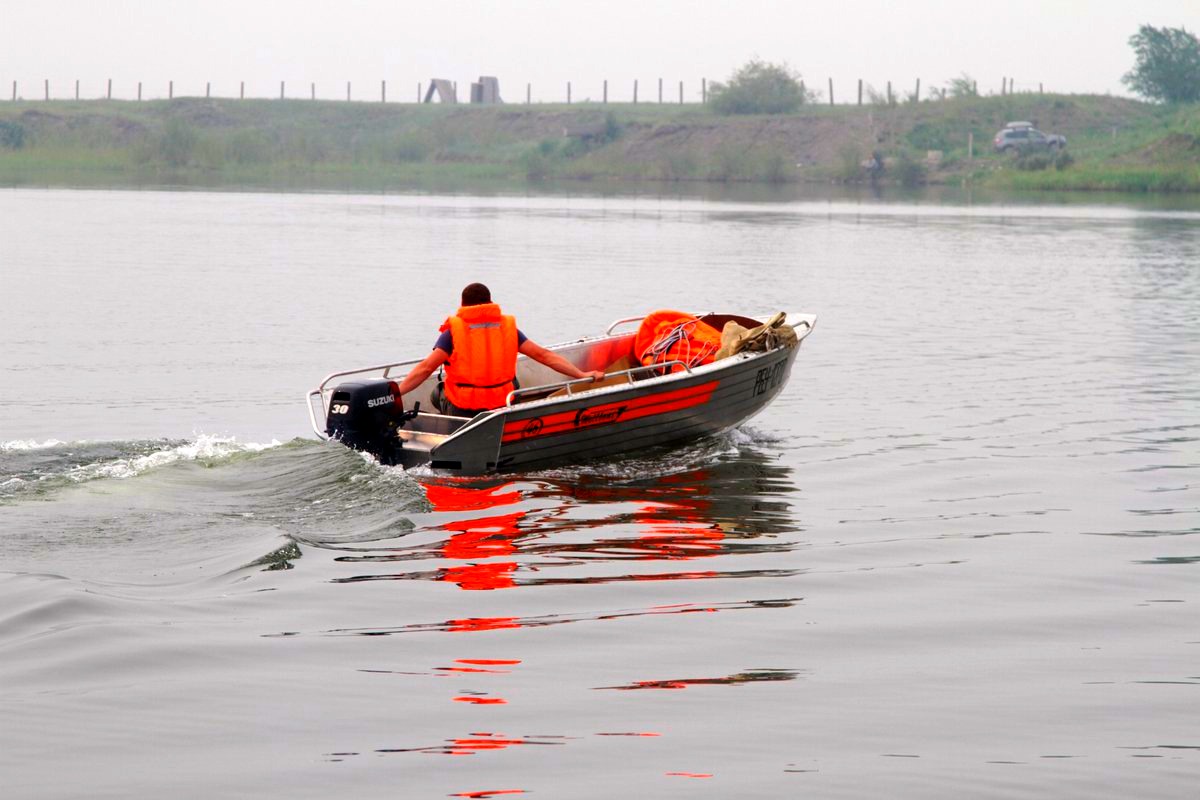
661, 92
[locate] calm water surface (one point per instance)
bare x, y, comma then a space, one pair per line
958, 557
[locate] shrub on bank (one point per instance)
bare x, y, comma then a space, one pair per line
176, 144
769, 164
1037, 160
908, 170
12, 135
248, 147
411, 146
758, 87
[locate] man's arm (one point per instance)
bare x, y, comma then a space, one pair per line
556, 362
420, 372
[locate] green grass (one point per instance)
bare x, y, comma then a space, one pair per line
322, 144
1104, 178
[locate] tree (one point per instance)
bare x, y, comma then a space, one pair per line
758, 87
1168, 65
962, 86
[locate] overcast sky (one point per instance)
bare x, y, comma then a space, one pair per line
1071, 46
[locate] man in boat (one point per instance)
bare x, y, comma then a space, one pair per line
479, 347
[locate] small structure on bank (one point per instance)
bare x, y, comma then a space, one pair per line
444, 90
485, 91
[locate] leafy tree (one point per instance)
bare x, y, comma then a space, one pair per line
758, 87
1168, 64
962, 86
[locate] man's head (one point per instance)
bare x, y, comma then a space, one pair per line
476, 294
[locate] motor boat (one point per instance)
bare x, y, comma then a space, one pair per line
550, 421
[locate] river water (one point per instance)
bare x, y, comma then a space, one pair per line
958, 557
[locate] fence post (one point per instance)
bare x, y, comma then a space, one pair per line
860, 91
660, 91
281, 90
242, 91
382, 92
528, 93
917, 92
1040, 88
110, 88
606, 91
635, 92
139, 91
568, 93
681, 93
208, 90
831, 91
970, 144
347, 91
14, 91
704, 90
170, 90
889, 93
77, 88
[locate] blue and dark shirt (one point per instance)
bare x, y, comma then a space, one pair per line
445, 342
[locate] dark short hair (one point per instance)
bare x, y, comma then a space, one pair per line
476, 294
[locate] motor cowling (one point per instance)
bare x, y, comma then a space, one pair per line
365, 415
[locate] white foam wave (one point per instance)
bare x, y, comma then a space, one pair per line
21, 445
204, 447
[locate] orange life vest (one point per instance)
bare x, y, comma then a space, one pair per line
483, 366
667, 335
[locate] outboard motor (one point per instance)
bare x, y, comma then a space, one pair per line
365, 415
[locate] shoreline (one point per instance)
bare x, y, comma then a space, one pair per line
1115, 145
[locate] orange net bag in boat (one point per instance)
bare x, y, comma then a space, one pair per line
667, 335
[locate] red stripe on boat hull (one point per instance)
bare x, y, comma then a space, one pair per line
608, 413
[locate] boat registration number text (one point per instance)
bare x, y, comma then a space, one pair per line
768, 378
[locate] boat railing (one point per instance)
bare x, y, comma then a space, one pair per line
623, 321
548, 388
317, 395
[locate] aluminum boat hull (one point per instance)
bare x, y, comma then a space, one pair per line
585, 424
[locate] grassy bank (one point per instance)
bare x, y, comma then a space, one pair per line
1115, 143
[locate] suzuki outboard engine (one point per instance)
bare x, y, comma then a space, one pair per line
365, 415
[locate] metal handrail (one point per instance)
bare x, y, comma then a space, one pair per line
617, 323
387, 368
312, 418
548, 387
385, 373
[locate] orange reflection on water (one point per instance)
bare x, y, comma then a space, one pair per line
481, 577
481, 665
482, 701
482, 624
677, 524
674, 521
482, 537
469, 497
482, 741
691, 774
489, 793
